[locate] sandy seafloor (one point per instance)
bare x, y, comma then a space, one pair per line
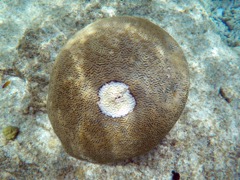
204, 143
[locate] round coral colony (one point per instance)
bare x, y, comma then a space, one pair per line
116, 89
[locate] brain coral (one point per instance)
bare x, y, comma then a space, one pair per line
116, 89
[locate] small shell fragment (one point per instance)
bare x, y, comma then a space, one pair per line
10, 132
6, 84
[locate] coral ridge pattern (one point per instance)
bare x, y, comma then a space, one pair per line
125, 49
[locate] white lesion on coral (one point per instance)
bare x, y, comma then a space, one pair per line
115, 99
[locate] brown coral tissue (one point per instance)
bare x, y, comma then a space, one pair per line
116, 89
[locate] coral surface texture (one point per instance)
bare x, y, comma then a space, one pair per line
124, 49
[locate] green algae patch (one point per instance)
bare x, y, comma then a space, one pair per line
10, 132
